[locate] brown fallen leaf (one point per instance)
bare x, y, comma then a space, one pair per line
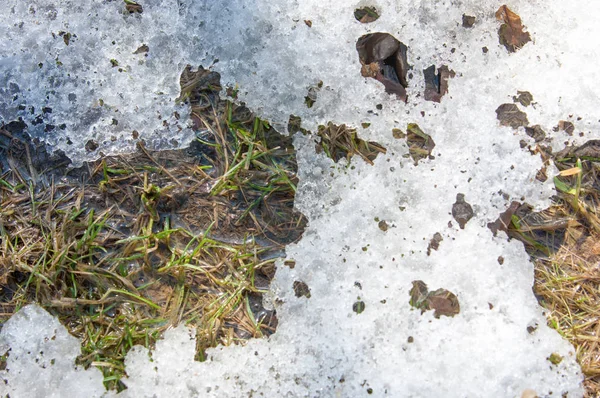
565, 126
511, 32
436, 86
524, 98
442, 301
383, 58
511, 115
504, 222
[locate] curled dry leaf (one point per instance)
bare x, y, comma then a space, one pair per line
383, 58
511, 32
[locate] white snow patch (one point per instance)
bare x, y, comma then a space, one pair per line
41, 354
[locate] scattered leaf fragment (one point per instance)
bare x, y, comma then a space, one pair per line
419, 143
542, 174
366, 14
524, 98
418, 295
436, 85
504, 221
468, 21
383, 58
133, 7
383, 225
66, 37
195, 84
536, 132
442, 301
301, 289
511, 115
511, 34
313, 91
358, 306
462, 211
434, 243
308, 23
143, 49
397, 134
555, 358
565, 126
91, 146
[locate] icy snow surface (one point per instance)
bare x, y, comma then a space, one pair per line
322, 347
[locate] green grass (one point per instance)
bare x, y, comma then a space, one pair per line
144, 242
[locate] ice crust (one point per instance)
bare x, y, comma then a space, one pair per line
322, 347
41, 353
89, 98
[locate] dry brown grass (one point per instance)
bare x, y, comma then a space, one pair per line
128, 246
564, 241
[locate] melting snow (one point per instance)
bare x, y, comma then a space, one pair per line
322, 346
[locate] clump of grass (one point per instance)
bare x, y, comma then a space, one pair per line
341, 142
564, 241
129, 246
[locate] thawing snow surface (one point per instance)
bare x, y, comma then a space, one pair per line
322, 347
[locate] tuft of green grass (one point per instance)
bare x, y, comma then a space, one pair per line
129, 246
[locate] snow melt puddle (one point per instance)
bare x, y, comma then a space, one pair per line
326, 345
